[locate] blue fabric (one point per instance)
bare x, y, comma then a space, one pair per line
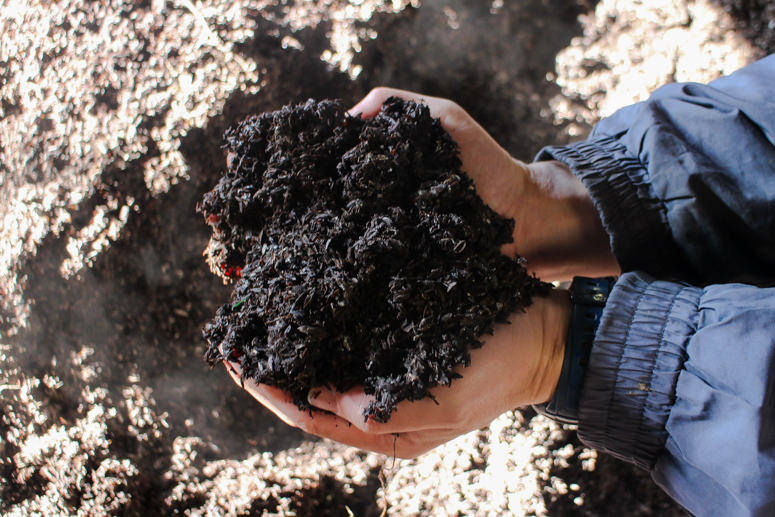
685, 181
720, 452
681, 381
638, 354
681, 378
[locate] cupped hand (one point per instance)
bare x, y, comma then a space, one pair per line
518, 365
557, 228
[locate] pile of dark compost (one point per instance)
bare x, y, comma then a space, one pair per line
361, 254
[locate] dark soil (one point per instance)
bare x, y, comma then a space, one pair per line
363, 254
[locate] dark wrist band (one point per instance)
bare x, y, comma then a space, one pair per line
588, 297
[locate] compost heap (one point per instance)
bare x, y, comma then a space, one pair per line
361, 254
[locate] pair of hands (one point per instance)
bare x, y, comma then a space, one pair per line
557, 230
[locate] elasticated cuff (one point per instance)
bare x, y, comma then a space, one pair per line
638, 352
632, 215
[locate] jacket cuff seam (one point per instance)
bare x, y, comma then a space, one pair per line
619, 186
638, 353
607, 427
649, 397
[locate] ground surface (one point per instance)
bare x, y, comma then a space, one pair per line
111, 115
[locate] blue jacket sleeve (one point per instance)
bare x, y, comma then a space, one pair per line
685, 181
681, 381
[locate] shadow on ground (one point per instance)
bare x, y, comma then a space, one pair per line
611, 488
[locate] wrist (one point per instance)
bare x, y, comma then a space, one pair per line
588, 297
558, 228
554, 332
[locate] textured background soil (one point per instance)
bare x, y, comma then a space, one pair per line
111, 117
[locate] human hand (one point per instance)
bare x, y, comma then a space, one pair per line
519, 364
557, 228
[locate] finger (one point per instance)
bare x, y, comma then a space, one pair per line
403, 445
407, 445
372, 102
273, 405
399, 445
281, 403
327, 425
278, 401
409, 416
321, 424
336, 429
370, 105
462, 128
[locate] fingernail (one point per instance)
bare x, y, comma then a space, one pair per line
322, 398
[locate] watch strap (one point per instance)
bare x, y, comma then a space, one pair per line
588, 297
